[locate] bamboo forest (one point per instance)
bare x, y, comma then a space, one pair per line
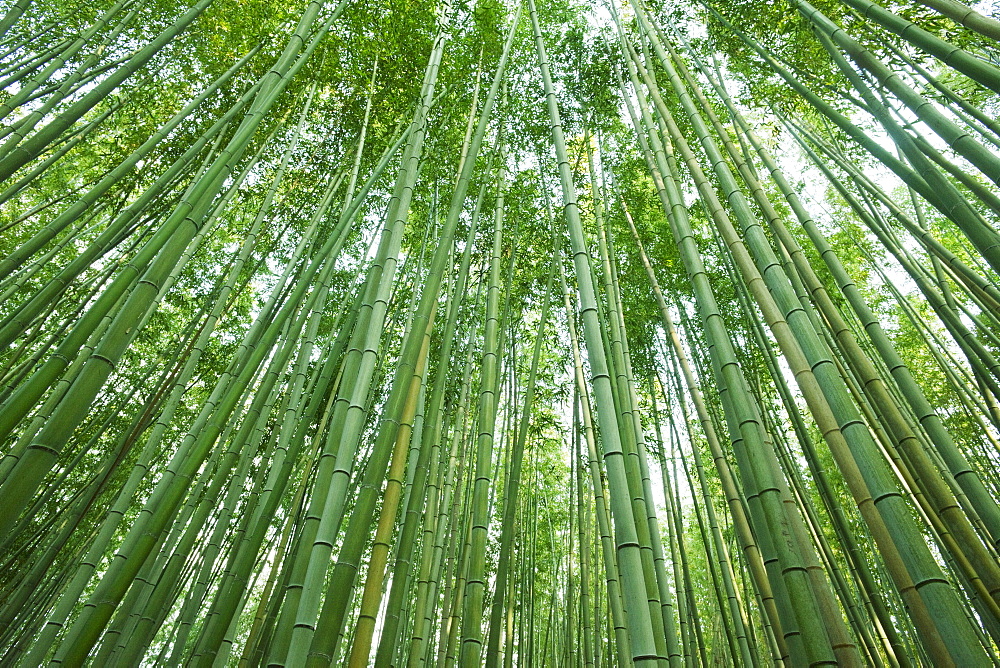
542, 333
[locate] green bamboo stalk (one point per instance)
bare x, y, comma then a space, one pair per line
966, 16
642, 642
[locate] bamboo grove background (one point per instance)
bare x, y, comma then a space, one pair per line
433, 332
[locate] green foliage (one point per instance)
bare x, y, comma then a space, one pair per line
166, 447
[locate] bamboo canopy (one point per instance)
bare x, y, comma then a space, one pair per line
528, 333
